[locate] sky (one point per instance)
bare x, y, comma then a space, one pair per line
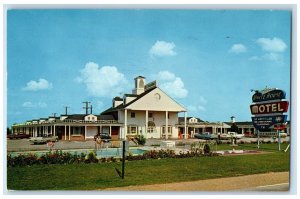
206, 60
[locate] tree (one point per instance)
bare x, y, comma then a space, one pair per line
234, 128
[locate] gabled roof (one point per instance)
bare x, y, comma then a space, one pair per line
105, 117
181, 119
76, 117
122, 106
239, 123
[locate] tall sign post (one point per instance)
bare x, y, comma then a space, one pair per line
268, 110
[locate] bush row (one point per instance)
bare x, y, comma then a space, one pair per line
59, 157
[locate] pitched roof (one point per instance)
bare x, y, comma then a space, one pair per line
122, 106
76, 117
181, 119
239, 123
105, 117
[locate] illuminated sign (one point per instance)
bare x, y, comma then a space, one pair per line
268, 108
274, 94
265, 122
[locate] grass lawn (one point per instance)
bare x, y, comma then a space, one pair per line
103, 175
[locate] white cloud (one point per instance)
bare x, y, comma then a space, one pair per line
272, 57
238, 48
196, 108
255, 58
104, 81
41, 84
34, 105
162, 48
166, 75
172, 84
268, 56
272, 45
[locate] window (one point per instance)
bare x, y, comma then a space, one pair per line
150, 115
132, 130
169, 130
132, 114
76, 130
150, 129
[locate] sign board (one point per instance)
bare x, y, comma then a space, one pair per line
267, 95
268, 108
265, 122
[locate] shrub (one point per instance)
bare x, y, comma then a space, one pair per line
141, 139
206, 149
91, 157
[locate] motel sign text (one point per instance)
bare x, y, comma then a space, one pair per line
268, 108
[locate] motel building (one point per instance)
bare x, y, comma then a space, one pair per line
147, 111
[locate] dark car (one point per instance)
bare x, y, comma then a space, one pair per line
18, 136
103, 136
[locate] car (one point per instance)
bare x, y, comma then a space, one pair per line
18, 136
205, 136
236, 135
103, 136
43, 140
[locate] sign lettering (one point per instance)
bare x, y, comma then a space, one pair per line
265, 122
270, 95
269, 108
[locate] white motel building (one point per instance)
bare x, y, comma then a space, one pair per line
147, 111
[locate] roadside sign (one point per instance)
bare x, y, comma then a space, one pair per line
268, 94
265, 122
269, 108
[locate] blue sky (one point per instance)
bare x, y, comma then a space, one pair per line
207, 60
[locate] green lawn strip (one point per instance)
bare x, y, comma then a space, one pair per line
263, 147
103, 175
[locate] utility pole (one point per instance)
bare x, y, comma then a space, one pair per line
66, 109
86, 106
91, 108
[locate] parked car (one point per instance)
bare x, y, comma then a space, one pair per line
103, 136
236, 135
206, 136
43, 140
229, 135
18, 136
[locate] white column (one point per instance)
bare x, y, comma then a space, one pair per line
54, 130
65, 132
69, 132
166, 129
125, 125
185, 128
146, 130
85, 129
110, 130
